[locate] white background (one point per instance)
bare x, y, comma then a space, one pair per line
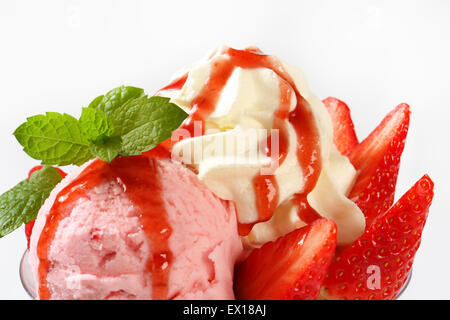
58, 55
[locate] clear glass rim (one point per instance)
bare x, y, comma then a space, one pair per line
26, 276
28, 282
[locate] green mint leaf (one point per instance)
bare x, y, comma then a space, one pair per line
144, 122
98, 129
107, 150
116, 98
95, 125
122, 122
21, 204
55, 139
96, 102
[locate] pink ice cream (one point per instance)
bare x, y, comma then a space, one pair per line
102, 249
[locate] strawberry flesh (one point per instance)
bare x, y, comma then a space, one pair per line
291, 268
377, 160
343, 129
384, 253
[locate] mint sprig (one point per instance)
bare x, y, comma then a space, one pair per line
55, 139
144, 122
21, 204
122, 122
107, 150
116, 98
95, 125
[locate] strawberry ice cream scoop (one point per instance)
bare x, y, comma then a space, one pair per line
137, 228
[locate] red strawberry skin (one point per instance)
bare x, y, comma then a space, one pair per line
29, 226
291, 268
344, 131
390, 244
377, 160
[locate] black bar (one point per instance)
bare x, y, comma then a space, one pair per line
137, 310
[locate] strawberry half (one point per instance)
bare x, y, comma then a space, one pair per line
377, 160
343, 129
291, 268
377, 265
29, 226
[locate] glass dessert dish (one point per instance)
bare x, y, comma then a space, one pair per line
26, 277
306, 196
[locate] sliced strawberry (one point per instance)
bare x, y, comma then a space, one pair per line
29, 226
291, 268
377, 160
377, 264
344, 131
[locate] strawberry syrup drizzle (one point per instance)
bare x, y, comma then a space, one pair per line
301, 118
177, 84
265, 186
136, 175
306, 213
